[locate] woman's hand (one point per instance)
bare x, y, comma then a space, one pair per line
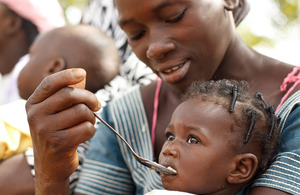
60, 118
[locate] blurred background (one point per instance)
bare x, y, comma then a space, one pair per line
272, 27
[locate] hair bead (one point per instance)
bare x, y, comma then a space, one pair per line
252, 123
272, 111
234, 97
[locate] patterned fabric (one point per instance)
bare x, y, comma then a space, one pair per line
109, 167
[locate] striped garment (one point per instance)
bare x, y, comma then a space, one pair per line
109, 167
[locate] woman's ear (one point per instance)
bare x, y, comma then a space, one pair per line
241, 11
230, 5
58, 64
242, 169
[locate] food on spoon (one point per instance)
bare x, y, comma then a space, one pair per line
170, 168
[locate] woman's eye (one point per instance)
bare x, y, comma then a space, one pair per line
177, 18
137, 36
193, 140
170, 136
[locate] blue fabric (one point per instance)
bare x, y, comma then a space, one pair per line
109, 167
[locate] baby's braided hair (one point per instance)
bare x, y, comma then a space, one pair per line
255, 120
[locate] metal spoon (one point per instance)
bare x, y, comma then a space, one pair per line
150, 164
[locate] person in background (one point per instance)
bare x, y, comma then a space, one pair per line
20, 22
53, 51
219, 139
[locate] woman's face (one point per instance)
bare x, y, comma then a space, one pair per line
180, 40
198, 140
5, 34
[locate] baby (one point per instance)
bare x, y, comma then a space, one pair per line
79, 46
219, 139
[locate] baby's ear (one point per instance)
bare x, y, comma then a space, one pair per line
230, 5
242, 169
56, 65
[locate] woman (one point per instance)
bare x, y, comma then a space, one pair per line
130, 75
181, 41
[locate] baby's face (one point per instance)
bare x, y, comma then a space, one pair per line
198, 147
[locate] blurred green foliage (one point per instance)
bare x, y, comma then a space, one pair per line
252, 39
289, 9
285, 17
78, 3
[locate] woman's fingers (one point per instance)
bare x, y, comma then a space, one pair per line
62, 127
60, 118
55, 82
68, 97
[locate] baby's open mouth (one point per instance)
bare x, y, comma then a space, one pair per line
170, 168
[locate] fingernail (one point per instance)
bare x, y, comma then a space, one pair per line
99, 105
78, 73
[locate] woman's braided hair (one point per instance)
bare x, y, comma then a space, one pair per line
255, 120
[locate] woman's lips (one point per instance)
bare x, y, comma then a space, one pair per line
175, 73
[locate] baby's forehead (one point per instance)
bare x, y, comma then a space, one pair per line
195, 108
209, 119
208, 99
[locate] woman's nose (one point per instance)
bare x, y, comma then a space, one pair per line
158, 49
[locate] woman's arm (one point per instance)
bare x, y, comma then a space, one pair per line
266, 191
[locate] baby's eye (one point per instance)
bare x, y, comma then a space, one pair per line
193, 140
170, 136
177, 18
